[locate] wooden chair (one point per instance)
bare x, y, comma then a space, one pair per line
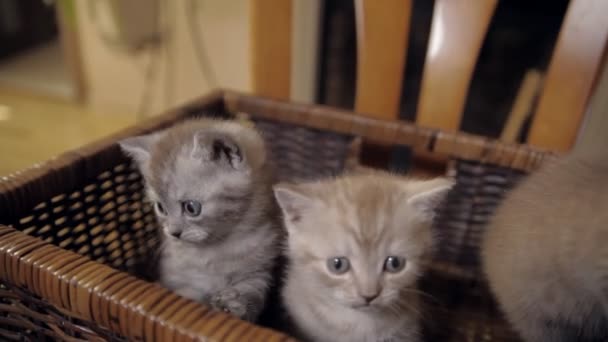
457, 32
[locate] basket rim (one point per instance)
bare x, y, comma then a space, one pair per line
450, 144
136, 317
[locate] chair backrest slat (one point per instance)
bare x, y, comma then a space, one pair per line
271, 26
571, 75
382, 38
457, 32
523, 106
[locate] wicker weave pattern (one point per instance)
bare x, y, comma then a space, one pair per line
107, 220
301, 153
479, 189
85, 222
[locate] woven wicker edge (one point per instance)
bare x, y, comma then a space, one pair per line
452, 144
145, 312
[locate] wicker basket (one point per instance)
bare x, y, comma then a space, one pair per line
76, 235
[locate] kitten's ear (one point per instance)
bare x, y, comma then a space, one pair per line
425, 196
292, 200
219, 148
139, 147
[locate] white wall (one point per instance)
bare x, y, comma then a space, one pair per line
115, 79
305, 49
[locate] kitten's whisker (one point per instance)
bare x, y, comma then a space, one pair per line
399, 307
420, 292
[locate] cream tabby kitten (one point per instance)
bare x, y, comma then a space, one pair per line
545, 252
356, 247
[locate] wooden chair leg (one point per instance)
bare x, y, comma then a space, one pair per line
523, 105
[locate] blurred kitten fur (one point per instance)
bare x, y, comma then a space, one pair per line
545, 252
357, 245
210, 182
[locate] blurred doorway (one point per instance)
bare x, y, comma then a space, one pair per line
38, 48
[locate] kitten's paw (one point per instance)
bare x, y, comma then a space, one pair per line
189, 293
230, 300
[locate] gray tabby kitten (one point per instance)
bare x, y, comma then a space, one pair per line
356, 248
210, 182
545, 252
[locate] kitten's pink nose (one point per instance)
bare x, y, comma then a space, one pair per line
369, 298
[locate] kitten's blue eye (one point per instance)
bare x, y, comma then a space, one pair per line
338, 265
394, 264
160, 209
192, 208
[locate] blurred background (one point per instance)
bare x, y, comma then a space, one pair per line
73, 71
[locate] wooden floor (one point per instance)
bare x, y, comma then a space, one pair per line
34, 128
